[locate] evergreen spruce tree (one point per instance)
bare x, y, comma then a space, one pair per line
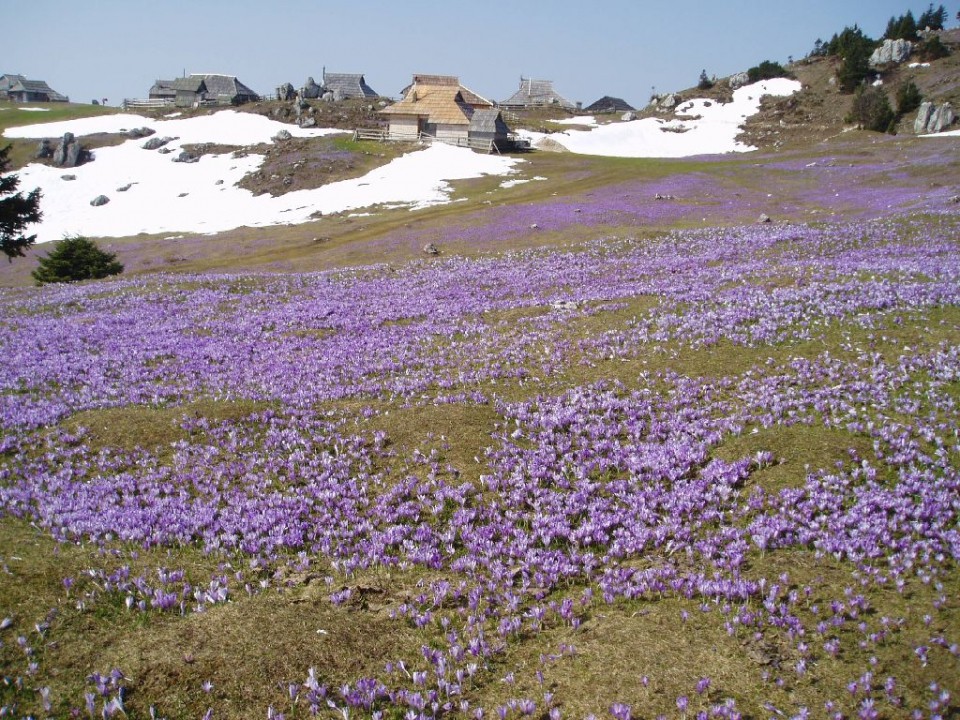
908, 98
73, 259
16, 212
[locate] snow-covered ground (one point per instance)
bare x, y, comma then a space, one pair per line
698, 127
167, 196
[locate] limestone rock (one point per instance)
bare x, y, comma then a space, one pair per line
282, 136
628, 116
141, 132
764, 218
69, 152
68, 177
892, 51
155, 143
286, 92
933, 118
308, 122
73, 154
100, 200
739, 80
431, 249
124, 188
668, 102
310, 89
43, 150
186, 157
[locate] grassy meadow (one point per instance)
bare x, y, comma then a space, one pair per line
619, 450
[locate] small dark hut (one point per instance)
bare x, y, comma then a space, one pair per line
488, 124
608, 104
17, 88
203, 89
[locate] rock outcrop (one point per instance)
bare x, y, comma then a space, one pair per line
155, 143
310, 89
100, 200
739, 80
933, 118
286, 92
891, 52
69, 152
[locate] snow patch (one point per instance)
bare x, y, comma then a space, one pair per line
202, 197
712, 128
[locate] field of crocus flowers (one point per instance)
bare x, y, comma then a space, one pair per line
713, 473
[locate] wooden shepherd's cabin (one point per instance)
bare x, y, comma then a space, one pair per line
438, 108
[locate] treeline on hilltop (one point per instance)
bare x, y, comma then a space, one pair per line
852, 48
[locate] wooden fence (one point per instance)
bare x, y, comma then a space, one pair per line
380, 135
132, 103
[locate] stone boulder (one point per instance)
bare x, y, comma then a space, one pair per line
142, 132
739, 80
286, 92
155, 143
282, 136
669, 101
891, 52
100, 200
327, 96
310, 89
308, 122
69, 152
628, 116
933, 118
43, 150
431, 249
186, 157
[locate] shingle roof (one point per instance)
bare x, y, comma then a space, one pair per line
36, 86
192, 84
162, 87
9, 79
487, 120
440, 98
348, 85
225, 86
437, 103
609, 104
537, 92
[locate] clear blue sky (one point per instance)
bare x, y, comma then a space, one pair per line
117, 48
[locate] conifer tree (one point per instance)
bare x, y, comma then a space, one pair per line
76, 258
16, 212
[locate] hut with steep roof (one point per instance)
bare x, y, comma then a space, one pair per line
347, 85
203, 89
437, 106
536, 93
7, 81
608, 104
17, 88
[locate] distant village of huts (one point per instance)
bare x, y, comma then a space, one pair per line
432, 107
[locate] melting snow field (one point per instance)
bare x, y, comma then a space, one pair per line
167, 196
699, 127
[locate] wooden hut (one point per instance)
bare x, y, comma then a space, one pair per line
17, 88
163, 90
346, 85
608, 104
536, 93
437, 106
203, 89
